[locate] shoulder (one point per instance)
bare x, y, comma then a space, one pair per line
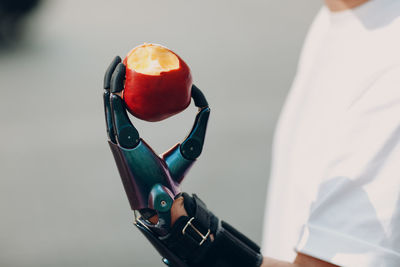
314, 37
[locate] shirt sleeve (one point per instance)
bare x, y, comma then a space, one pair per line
354, 219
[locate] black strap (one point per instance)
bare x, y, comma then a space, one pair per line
190, 237
233, 251
201, 240
197, 209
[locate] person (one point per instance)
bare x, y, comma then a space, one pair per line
334, 193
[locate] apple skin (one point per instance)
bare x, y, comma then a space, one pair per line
157, 97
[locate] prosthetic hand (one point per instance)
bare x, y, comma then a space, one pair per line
152, 183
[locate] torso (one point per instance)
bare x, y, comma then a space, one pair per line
336, 67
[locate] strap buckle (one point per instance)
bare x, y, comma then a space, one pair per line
203, 237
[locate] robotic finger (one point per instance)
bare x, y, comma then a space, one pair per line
126, 134
181, 157
106, 98
118, 79
110, 71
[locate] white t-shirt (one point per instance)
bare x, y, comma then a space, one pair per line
334, 191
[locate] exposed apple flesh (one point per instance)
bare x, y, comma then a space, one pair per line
158, 82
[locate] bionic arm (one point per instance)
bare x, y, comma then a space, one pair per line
152, 183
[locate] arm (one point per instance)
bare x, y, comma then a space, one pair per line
301, 260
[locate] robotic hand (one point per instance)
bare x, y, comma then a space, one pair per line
152, 182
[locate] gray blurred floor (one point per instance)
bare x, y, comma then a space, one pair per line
61, 200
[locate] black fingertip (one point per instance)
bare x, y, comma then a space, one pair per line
109, 71
118, 79
198, 97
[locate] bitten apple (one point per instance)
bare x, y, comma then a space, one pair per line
158, 82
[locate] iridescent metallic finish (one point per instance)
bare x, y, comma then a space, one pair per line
151, 182
178, 166
140, 169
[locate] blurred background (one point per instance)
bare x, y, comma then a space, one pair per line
61, 199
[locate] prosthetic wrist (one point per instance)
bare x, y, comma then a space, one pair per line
201, 239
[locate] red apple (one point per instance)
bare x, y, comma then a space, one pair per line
158, 82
